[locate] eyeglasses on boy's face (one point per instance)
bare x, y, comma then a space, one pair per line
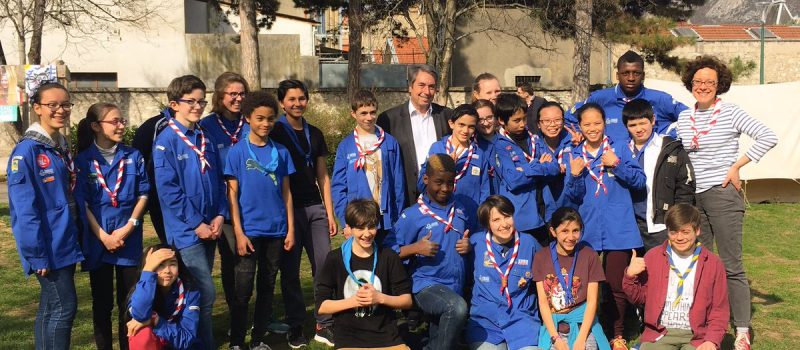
115, 122
551, 121
193, 103
53, 106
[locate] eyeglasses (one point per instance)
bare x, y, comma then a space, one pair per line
700, 83
67, 106
236, 94
486, 120
551, 122
192, 103
115, 122
634, 73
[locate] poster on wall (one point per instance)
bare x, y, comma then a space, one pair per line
36, 75
10, 96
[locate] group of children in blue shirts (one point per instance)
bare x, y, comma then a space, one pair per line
502, 244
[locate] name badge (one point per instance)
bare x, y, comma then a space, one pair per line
475, 171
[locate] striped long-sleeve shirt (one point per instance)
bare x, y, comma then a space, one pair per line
719, 149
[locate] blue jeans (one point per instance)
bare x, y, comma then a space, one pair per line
58, 304
449, 311
199, 260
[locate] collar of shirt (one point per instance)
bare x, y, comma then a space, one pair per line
621, 95
413, 111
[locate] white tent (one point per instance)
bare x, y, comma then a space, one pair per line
775, 177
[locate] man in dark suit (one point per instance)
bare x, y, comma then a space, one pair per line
525, 90
416, 124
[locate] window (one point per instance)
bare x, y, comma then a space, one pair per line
530, 79
756, 32
685, 32
92, 80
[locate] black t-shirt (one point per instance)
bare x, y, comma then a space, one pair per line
303, 182
362, 327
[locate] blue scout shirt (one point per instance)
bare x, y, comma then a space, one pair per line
218, 137
348, 184
608, 220
260, 194
181, 332
552, 189
474, 185
613, 100
447, 267
38, 190
491, 320
519, 180
89, 193
188, 197
488, 150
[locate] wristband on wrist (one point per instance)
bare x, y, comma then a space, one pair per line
135, 222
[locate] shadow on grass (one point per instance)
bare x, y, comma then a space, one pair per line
763, 298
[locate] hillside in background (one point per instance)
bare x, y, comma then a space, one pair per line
741, 12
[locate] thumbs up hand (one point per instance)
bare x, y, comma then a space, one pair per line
636, 266
462, 245
426, 247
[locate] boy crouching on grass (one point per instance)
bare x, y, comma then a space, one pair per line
682, 286
360, 284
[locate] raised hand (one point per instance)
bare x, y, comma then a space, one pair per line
609, 158
462, 245
636, 265
546, 157
154, 258
426, 247
576, 165
577, 137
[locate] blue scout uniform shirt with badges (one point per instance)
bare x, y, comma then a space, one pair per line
488, 150
447, 267
474, 185
519, 180
613, 100
38, 185
181, 332
260, 191
218, 137
491, 320
348, 184
553, 193
90, 193
188, 196
608, 220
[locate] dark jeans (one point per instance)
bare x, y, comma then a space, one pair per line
311, 233
199, 260
650, 239
102, 281
266, 258
58, 304
722, 214
447, 313
227, 261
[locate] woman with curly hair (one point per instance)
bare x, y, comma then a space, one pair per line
710, 133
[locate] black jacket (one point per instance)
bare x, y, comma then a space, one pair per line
673, 180
397, 122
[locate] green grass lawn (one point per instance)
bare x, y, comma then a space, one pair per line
771, 249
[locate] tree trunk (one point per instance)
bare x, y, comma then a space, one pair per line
583, 50
356, 23
446, 37
35, 50
20, 28
251, 64
3, 61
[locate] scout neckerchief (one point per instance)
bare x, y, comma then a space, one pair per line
66, 157
503, 275
347, 254
265, 169
102, 181
201, 153
695, 144
180, 302
234, 138
597, 178
295, 140
532, 147
448, 225
681, 276
448, 148
565, 281
363, 153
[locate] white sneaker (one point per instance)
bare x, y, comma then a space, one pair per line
742, 341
